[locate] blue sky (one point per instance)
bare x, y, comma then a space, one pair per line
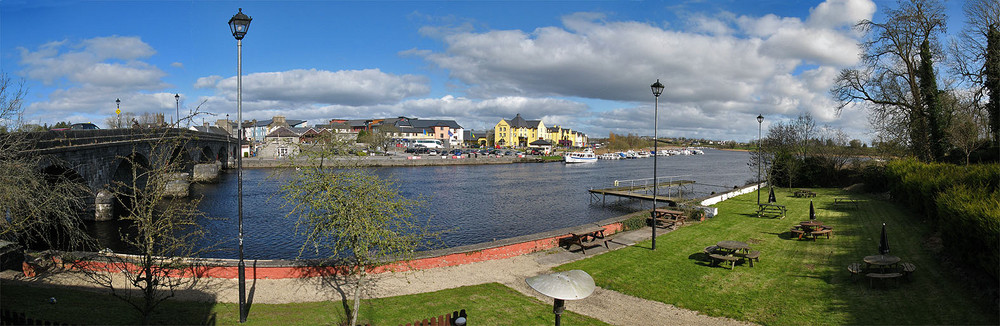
585, 65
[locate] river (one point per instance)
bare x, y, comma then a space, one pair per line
477, 203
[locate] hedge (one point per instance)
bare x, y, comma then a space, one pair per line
962, 202
972, 231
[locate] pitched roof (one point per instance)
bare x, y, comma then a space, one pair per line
419, 124
541, 142
282, 132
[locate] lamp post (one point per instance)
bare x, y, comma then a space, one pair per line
118, 112
229, 134
657, 90
760, 160
238, 25
177, 112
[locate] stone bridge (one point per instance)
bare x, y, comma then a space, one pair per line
100, 158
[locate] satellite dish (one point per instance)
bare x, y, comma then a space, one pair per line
568, 285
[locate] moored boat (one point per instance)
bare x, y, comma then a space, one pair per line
585, 156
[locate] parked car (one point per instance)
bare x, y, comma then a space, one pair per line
456, 152
84, 126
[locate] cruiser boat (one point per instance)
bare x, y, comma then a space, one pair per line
585, 156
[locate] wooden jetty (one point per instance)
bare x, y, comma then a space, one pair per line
641, 192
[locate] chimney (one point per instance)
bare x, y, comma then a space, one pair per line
206, 124
278, 121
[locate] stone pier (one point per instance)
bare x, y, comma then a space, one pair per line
207, 172
178, 184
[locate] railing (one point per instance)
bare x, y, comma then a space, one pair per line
8, 317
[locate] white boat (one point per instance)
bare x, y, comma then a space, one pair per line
585, 156
609, 156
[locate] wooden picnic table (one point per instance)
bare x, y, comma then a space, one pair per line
589, 233
669, 217
805, 193
881, 261
777, 210
733, 246
811, 223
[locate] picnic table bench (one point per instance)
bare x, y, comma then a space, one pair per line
587, 234
805, 193
668, 217
768, 209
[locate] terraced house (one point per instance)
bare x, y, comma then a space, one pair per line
520, 133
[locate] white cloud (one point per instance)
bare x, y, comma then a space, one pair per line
837, 13
725, 64
345, 87
103, 61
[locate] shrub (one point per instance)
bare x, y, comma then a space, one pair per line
634, 222
970, 227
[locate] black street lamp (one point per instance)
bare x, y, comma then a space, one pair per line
177, 112
239, 25
118, 112
229, 134
657, 90
760, 160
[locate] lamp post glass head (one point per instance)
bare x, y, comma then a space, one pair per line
760, 119
239, 24
118, 101
657, 88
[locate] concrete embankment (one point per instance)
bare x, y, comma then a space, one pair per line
392, 161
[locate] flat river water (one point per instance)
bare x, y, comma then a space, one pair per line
478, 203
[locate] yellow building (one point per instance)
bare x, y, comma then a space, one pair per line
517, 132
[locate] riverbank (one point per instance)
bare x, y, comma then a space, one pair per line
397, 161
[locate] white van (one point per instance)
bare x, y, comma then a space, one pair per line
429, 143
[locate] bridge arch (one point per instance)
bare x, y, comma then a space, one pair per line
207, 155
129, 177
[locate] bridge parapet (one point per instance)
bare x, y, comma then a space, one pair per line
53, 139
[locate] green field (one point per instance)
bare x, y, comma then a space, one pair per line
796, 282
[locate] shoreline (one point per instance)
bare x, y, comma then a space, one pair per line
223, 268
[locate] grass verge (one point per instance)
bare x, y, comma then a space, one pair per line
486, 304
796, 282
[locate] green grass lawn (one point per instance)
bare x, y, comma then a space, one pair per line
795, 282
486, 304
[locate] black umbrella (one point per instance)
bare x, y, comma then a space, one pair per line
812, 211
883, 243
770, 197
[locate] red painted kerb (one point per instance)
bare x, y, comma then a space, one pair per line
206, 268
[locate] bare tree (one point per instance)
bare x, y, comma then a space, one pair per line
357, 220
888, 81
971, 57
163, 231
36, 206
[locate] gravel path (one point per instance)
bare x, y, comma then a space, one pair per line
606, 305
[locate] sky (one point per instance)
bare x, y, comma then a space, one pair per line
583, 65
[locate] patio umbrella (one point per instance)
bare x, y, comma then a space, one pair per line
770, 197
883, 243
812, 211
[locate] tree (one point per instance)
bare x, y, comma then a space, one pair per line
964, 133
37, 207
976, 59
162, 230
357, 220
888, 81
